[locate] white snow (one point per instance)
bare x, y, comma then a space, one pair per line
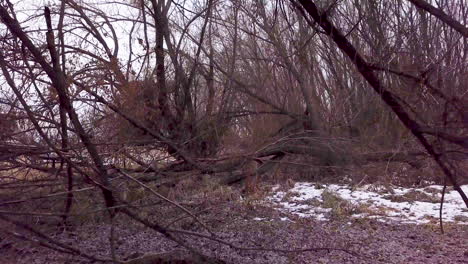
305, 200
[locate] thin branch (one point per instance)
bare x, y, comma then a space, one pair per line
442, 16
160, 196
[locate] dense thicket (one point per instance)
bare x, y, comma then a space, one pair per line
158, 91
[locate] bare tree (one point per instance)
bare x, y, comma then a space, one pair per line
132, 104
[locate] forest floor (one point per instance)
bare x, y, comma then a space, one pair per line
306, 223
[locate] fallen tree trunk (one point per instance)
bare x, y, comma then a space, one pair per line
229, 169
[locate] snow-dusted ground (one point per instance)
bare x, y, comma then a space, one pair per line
396, 204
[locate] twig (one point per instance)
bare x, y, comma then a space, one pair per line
298, 250
112, 240
442, 205
185, 216
158, 228
44, 197
42, 243
167, 200
50, 240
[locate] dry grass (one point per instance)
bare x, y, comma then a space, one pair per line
413, 196
340, 208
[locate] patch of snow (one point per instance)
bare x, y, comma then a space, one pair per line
305, 200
